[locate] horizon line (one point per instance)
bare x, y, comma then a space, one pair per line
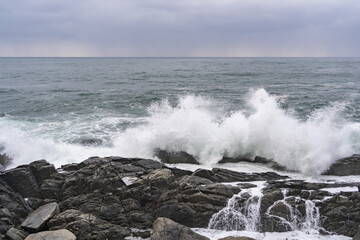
177, 57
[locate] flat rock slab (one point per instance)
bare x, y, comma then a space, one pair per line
62, 234
38, 218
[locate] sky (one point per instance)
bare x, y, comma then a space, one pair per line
179, 28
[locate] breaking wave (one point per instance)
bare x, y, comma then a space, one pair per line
200, 126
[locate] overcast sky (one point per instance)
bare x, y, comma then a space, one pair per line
227, 28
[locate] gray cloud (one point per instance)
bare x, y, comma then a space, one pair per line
179, 28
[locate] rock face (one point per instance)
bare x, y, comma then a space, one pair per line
345, 166
27, 179
87, 226
98, 201
165, 228
13, 208
175, 157
53, 235
38, 218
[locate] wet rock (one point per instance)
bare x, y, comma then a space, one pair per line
26, 179
259, 159
274, 224
13, 208
87, 226
225, 175
22, 181
194, 180
88, 141
175, 157
165, 228
42, 170
179, 172
341, 213
235, 160
236, 238
15, 234
282, 210
38, 218
62, 234
345, 166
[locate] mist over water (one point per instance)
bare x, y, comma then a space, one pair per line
302, 113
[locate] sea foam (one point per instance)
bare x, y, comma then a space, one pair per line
201, 127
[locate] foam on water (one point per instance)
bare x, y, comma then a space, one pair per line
200, 127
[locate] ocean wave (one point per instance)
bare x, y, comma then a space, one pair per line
200, 126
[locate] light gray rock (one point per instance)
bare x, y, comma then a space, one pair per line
38, 218
62, 234
15, 234
165, 228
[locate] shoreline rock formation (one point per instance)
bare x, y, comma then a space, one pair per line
115, 197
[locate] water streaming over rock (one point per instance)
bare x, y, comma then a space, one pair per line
291, 213
242, 212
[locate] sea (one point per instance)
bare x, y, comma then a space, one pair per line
301, 112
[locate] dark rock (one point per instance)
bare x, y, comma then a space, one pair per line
274, 224
26, 179
87, 226
15, 234
259, 159
180, 213
22, 181
235, 160
357, 234
341, 214
236, 238
225, 175
165, 228
62, 234
42, 170
194, 180
13, 208
345, 166
175, 157
179, 172
35, 203
88, 141
282, 210
38, 218
5, 161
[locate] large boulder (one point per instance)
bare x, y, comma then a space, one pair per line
38, 218
165, 228
341, 213
27, 179
87, 226
62, 234
13, 208
175, 157
345, 166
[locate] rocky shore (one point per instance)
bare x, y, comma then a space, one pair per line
119, 198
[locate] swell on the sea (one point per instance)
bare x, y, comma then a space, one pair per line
198, 126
